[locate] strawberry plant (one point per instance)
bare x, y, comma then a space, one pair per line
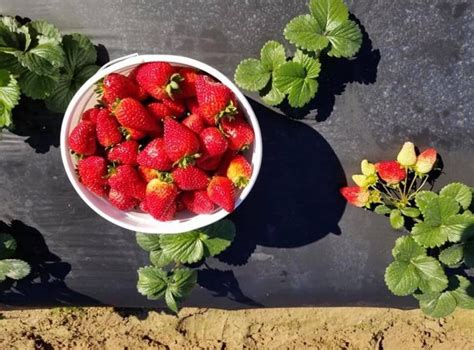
429, 261
35, 60
327, 30
168, 276
12, 268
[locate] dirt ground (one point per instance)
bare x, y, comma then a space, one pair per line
314, 328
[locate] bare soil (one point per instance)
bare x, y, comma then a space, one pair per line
314, 328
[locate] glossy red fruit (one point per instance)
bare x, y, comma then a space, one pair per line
148, 174
356, 195
116, 86
195, 123
239, 171
130, 113
159, 110
213, 142
92, 173
82, 139
107, 129
122, 201
154, 156
90, 115
159, 79
208, 163
239, 133
181, 144
190, 178
177, 108
221, 191
390, 171
126, 180
188, 84
124, 153
132, 134
142, 94
160, 199
198, 202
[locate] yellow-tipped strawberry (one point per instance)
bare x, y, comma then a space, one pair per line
367, 168
356, 195
426, 161
407, 155
239, 171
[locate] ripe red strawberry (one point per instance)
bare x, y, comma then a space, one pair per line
126, 180
208, 163
190, 178
195, 123
188, 84
90, 115
239, 171
224, 164
124, 153
239, 133
132, 134
131, 114
148, 174
107, 129
198, 202
215, 100
122, 201
221, 191
181, 144
82, 139
177, 108
142, 94
159, 79
154, 156
213, 143
192, 105
92, 174
159, 110
116, 86
160, 199
390, 171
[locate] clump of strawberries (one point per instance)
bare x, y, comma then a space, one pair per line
163, 139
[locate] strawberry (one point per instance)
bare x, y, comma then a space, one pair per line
192, 105
160, 199
181, 144
208, 163
131, 114
239, 171
82, 139
177, 108
239, 133
126, 180
143, 207
198, 202
356, 195
390, 171
142, 94
124, 153
221, 191
116, 86
213, 143
90, 115
92, 174
154, 156
148, 174
188, 84
194, 122
215, 100
107, 129
224, 164
122, 201
159, 79
132, 134
159, 110
425, 161
190, 178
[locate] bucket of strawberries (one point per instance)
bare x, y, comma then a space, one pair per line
161, 144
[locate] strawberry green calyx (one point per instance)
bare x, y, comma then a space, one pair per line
99, 87
165, 176
407, 155
241, 182
229, 111
173, 85
187, 161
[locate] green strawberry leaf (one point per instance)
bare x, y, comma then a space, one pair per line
38, 86
305, 33
148, 242
7, 246
468, 254
79, 52
159, 259
452, 255
438, 210
382, 209
463, 293
46, 29
312, 65
329, 14
423, 198
455, 227
401, 278
171, 301
410, 212
437, 304
182, 281
459, 192
14, 269
272, 55
345, 40
274, 97
218, 237
43, 58
429, 236
292, 78
9, 97
251, 75
396, 219
152, 282
431, 274
406, 248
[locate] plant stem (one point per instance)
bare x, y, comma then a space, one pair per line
419, 188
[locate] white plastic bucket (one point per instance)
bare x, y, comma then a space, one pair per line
135, 220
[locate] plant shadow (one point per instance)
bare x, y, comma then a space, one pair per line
335, 74
45, 285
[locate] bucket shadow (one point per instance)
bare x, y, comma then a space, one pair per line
296, 199
45, 285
